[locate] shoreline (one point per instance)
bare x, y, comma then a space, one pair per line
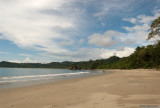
22, 81
119, 89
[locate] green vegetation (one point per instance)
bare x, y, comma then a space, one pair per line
62, 65
143, 57
154, 29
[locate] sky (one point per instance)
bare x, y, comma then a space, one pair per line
43, 31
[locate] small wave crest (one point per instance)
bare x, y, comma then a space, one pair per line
42, 76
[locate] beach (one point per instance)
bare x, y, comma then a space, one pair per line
120, 89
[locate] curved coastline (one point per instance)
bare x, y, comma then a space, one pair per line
38, 76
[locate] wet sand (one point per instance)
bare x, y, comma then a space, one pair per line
119, 89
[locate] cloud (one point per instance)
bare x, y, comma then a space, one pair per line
109, 8
121, 48
81, 54
67, 43
31, 60
84, 54
132, 20
26, 60
108, 39
128, 41
56, 28
25, 55
37, 24
135, 35
144, 19
139, 32
137, 27
77, 55
120, 53
102, 13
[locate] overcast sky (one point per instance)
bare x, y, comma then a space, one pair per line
73, 30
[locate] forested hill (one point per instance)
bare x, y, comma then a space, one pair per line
92, 64
61, 65
143, 57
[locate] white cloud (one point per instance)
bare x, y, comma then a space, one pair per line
29, 60
108, 39
25, 55
143, 27
136, 34
47, 26
128, 41
132, 20
143, 19
108, 8
26, 60
139, 32
121, 48
77, 55
28, 26
120, 53
67, 43
84, 54
102, 13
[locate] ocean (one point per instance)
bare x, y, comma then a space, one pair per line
17, 77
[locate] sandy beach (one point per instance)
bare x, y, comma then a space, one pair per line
119, 89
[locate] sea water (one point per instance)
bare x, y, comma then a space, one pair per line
16, 77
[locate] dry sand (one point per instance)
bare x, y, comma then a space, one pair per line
120, 89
